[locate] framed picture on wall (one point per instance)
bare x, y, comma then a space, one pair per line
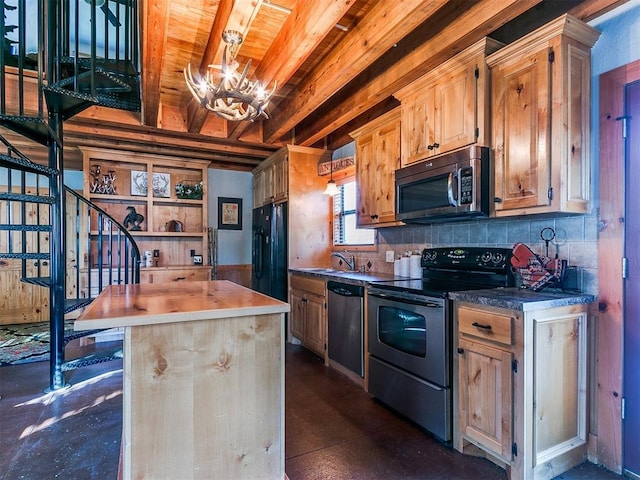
229, 213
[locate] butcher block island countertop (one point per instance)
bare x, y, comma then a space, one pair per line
203, 379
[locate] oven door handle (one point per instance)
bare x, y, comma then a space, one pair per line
395, 298
450, 194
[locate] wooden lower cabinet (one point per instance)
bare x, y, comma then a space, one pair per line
520, 383
308, 317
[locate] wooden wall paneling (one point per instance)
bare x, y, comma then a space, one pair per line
610, 253
309, 216
240, 274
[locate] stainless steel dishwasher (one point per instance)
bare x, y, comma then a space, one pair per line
346, 325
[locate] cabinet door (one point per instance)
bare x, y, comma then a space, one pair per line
454, 116
418, 126
365, 178
521, 107
387, 155
377, 159
281, 180
258, 189
485, 397
315, 337
296, 317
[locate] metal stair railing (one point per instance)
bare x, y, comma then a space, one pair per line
99, 250
73, 54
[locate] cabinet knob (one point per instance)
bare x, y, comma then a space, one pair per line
497, 200
460, 351
373, 216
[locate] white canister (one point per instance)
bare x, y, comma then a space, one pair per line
396, 267
415, 269
404, 267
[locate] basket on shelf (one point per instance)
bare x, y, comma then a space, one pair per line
189, 190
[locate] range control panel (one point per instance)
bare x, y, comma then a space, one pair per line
467, 258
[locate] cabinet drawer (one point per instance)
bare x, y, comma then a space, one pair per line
160, 275
487, 325
308, 284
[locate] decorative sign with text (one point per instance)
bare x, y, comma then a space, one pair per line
324, 168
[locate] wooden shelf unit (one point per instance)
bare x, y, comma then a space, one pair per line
158, 205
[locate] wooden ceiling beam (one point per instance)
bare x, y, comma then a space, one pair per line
307, 25
154, 31
590, 9
384, 26
231, 15
148, 137
467, 27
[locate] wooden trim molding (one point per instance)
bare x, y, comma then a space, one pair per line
610, 253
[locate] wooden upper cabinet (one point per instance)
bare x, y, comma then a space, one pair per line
447, 108
377, 159
270, 181
541, 113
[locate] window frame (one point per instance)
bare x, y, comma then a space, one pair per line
347, 176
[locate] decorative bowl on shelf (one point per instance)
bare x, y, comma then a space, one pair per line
189, 190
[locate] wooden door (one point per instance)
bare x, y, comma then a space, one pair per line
631, 361
387, 154
296, 317
455, 112
521, 111
613, 220
485, 397
315, 323
366, 165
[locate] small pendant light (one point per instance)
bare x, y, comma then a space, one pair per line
332, 188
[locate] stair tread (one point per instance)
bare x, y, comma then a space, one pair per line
25, 163
92, 359
35, 128
25, 256
27, 198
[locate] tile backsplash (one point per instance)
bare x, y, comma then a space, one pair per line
576, 240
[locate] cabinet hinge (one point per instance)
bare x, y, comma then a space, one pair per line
624, 404
514, 366
477, 72
625, 268
514, 449
325, 305
550, 193
552, 56
477, 133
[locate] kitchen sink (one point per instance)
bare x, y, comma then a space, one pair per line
322, 270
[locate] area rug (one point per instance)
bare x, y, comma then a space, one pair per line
26, 343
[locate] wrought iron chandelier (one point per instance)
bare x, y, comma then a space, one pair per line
227, 92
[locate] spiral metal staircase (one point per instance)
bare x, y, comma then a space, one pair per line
70, 56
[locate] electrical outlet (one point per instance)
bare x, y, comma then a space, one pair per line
389, 256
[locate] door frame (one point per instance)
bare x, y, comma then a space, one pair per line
610, 324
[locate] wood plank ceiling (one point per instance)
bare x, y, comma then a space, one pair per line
337, 64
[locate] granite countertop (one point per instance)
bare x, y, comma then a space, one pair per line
520, 299
346, 276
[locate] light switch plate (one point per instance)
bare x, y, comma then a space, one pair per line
389, 256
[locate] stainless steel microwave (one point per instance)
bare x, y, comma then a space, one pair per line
447, 187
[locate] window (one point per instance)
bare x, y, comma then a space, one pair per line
344, 218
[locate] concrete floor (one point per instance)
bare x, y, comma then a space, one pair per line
334, 430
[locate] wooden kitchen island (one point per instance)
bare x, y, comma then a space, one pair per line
203, 379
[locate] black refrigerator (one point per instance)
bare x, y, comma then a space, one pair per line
269, 251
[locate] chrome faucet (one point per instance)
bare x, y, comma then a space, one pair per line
351, 263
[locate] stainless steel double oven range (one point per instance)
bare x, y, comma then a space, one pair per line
410, 331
